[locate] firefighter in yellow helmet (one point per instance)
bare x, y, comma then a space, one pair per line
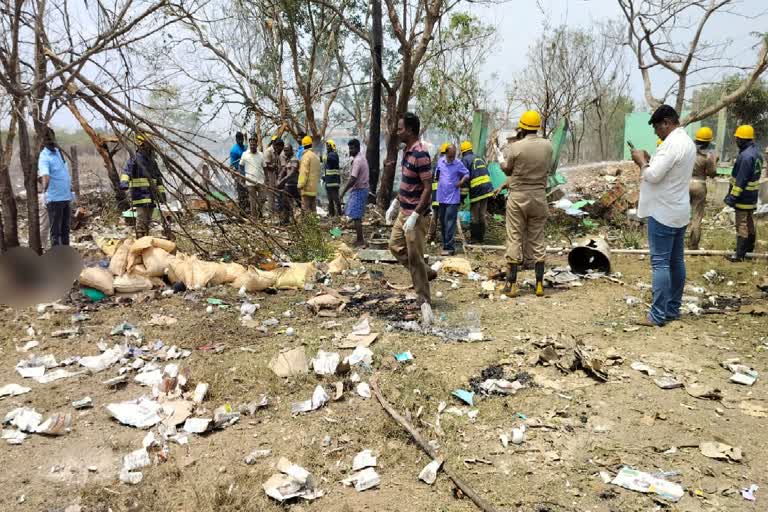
142, 177
309, 176
526, 163
480, 189
703, 168
743, 193
435, 205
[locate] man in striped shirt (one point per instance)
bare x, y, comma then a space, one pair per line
407, 240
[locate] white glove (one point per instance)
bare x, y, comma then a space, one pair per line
411, 222
43, 198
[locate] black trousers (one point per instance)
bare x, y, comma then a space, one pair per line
59, 213
334, 202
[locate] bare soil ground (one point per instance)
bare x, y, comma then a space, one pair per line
579, 426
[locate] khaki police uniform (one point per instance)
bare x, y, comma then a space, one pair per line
527, 163
703, 168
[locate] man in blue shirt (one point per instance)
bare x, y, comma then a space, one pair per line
452, 176
55, 183
234, 163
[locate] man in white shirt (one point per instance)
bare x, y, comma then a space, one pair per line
664, 200
252, 163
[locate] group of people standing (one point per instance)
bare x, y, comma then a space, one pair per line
283, 181
457, 179
526, 164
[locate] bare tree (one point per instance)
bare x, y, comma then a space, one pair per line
668, 36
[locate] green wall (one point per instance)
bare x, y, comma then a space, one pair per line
637, 130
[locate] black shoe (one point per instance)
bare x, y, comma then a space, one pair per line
741, 250
751, 239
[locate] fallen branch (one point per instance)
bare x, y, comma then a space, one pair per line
463, 486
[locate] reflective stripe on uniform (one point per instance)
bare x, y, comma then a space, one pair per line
480, 198
479, 180
146, 200
742, 206
139, 182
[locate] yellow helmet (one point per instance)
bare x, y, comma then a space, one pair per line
704, 134
745, 131
466, 146
331, 143
659, 142
444, 147
530, 120
306, 141
141, 138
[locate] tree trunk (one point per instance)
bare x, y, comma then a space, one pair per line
30, 185
374, 134
10, 232
3, 248
75, 171
387, 180
106, 156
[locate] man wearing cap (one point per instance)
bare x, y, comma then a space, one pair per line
526, 164
332, 178
480, 189
358, 195
744, 189
56, 188
703, 168
665, 201
271, 170
142, 177
309, 176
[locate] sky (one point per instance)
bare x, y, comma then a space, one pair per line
520, 22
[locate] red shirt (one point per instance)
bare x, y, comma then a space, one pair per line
416, 166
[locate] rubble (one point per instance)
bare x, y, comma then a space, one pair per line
289, 362
363, 480
319, 399
292, 482
428, 475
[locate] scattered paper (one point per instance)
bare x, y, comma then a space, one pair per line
13, 390
646, 483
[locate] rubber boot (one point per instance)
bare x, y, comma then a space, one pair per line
474, 236
480, 232
751, 239
741, 250
539, 267
510, 289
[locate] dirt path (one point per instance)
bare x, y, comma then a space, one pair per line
580, 426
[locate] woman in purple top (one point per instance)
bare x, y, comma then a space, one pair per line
453, 175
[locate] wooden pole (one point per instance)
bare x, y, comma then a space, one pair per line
465, 488
75, 171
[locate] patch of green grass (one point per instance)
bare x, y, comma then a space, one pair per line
310, 240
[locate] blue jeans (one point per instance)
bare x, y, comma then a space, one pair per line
668, 267
448, 216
